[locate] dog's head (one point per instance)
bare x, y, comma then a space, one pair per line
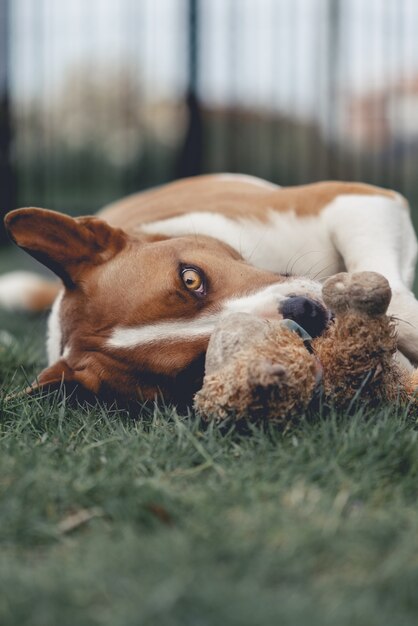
137, 311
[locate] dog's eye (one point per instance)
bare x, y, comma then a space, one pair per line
193, 280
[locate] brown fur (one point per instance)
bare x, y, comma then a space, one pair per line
65, 245
233, 199
114, 275
211, 193
112, 278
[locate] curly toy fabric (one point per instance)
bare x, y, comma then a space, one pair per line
259, 369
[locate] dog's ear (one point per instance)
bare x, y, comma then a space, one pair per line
60, 374
62, 243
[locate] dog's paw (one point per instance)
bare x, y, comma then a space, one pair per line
365, 292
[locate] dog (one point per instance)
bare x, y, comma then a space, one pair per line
144, 283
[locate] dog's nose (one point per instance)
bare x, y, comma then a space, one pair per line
310, 314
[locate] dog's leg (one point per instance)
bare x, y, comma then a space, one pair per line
375, 233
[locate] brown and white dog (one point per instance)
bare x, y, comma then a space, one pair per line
146, 281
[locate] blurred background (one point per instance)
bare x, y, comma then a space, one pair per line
102, 98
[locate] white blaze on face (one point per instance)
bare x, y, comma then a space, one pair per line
264, 303
134, 336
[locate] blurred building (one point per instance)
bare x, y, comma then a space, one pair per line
105, 97
384, 118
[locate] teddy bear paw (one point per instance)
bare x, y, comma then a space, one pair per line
365, 292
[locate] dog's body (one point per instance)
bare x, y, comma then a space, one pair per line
146, 284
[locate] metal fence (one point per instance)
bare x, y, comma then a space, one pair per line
101, 98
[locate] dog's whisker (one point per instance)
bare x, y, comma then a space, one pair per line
323, 254
287, 271
314, 265
323, 270
249, 257
300, 257
400, 319
322, 257
323, 278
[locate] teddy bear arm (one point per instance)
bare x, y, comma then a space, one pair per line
357, 356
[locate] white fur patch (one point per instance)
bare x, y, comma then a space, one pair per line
54, 335
373, 233
285, 243
133, 337
264, 303
17, 288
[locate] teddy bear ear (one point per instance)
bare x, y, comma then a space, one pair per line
66, 245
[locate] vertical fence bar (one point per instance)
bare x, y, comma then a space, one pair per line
333, 68
7, 180
191, 154
234, 123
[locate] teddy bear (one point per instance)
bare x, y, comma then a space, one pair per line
271, 370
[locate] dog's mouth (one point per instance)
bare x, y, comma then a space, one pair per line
309, 314
307, 339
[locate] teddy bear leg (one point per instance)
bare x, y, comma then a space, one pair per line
357, 351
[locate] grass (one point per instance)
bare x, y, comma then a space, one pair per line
109, 521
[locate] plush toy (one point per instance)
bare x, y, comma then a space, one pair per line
272, 370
